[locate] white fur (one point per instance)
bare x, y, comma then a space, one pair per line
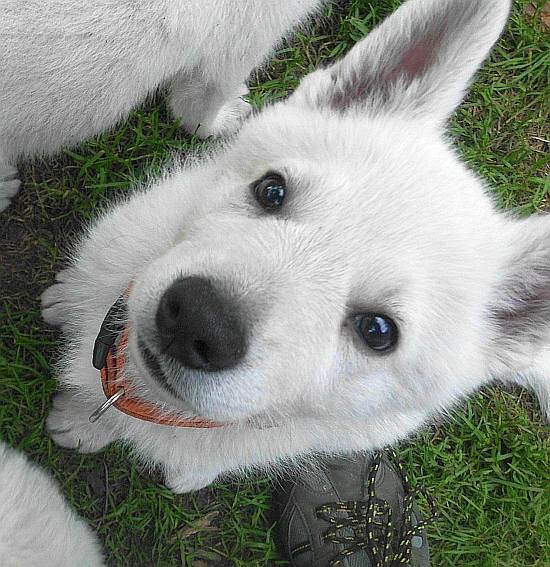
37, 527
72, 69
381, 216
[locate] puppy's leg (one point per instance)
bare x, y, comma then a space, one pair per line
69, 426
208, 106
58, 300
189, 479
190, 458
193, 459
9, 184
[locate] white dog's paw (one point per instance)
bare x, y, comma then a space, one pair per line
182, 481
9, 185
54, 301
69, 426
227, 120
208, 120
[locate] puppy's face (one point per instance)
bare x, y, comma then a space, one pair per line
325, 276
337, 258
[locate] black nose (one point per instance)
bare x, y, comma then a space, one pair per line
198, 327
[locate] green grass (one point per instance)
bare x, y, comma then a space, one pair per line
488, 466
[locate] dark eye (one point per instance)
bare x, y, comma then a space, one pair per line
378, 331
270, 191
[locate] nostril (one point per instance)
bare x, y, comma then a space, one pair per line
201, 349
169, 314
173, 308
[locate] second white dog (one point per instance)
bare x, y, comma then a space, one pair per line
37, 527
71, 69
329, 281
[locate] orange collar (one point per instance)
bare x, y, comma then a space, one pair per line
110, 359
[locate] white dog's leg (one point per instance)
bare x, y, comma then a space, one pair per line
9, 184
206, 106
193, 459
69, 426
182, 480
56, 300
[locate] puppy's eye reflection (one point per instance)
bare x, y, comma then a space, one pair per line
270, 191
378, 331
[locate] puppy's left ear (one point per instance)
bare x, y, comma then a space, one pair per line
520, 309
418, 62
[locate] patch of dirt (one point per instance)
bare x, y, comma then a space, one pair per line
26, 238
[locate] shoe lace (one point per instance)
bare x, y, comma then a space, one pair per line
368, 525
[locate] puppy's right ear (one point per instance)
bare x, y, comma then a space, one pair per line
419, 61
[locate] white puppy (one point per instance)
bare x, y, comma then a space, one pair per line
71, 69
37, 527
335, 272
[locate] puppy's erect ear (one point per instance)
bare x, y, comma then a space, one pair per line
419, 61
521, 306
520, 311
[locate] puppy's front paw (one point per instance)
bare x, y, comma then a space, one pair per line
69, 426
9, 185
55, 302
182, 481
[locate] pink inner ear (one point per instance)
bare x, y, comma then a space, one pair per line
413, 62
417, 58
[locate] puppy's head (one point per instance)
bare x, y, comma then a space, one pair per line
337, 257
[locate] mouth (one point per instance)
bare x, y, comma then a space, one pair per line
154, 369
